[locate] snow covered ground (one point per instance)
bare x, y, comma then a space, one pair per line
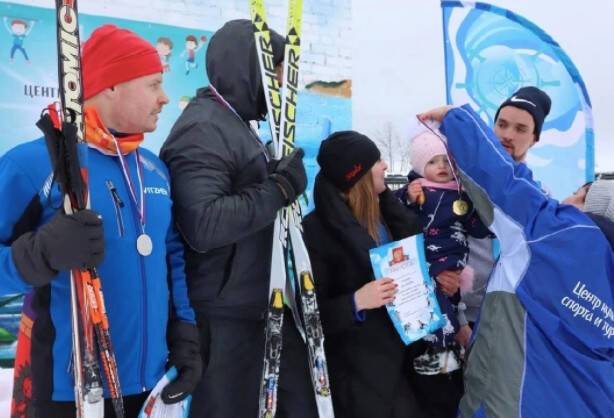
6, 389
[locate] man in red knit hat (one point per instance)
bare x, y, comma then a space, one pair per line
136, 249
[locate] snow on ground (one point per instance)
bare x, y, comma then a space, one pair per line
6, 391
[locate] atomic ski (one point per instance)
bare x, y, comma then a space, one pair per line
65, 137
288, 224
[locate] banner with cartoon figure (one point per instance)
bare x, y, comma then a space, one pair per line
490, 52
415, 311
28, 80
28, 68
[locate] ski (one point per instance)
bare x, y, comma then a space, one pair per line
65, 137
311, 317
22, 404
301, 263
278, 279
288, 246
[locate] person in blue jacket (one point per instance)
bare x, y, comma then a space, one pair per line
544, 341
130, 236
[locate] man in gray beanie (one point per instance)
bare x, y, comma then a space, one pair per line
600, 199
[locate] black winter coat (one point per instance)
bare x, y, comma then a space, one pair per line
224, 201
366, 359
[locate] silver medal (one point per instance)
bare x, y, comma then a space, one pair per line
144, 245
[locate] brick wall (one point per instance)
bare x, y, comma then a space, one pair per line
327, 36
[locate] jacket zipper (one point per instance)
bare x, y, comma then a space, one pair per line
137, 230
144, 342
137, 226
118, 204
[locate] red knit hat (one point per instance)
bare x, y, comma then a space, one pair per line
112, 56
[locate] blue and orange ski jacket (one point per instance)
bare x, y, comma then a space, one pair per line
141, 292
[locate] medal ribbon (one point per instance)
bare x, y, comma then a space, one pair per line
254, 133
140, 209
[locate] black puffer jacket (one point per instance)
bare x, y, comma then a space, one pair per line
366, 359
224, 201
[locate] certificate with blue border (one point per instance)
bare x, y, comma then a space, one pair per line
415, 311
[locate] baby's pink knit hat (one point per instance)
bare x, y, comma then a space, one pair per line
423, 148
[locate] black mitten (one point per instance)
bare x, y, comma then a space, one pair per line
184, 353
290, 174
64, 243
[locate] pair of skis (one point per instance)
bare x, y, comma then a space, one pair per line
290, 266
65, 136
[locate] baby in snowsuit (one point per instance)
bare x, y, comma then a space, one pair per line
447, 215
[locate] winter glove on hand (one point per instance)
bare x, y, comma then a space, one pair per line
290, 175
184, 354
65, 242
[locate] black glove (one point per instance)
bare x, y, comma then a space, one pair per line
65, 242
290, 175
271, 152
184, 353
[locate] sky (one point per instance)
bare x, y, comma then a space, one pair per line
399, 60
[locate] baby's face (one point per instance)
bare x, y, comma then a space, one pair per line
438, 169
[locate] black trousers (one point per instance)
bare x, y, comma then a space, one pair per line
232, 352
132, 407
440, 394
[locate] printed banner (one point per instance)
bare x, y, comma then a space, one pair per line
29, 69
490, 52
28, 80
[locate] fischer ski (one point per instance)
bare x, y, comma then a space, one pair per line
288, 246
275, 314
65, 138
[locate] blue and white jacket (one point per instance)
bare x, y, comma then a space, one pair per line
544, 345
141, 293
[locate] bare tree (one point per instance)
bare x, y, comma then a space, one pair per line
394, 148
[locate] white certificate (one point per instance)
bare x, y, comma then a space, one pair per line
415, 311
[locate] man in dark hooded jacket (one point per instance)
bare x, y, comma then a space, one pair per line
227, 192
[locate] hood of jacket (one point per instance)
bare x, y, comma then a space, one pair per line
233, 67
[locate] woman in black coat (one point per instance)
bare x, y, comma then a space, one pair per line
354, 212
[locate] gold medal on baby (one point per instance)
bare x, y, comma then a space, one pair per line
460, 207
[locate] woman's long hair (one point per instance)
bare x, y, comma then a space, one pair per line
364, 204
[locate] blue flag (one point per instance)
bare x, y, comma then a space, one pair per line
490, 52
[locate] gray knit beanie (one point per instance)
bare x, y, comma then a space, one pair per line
600, 198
